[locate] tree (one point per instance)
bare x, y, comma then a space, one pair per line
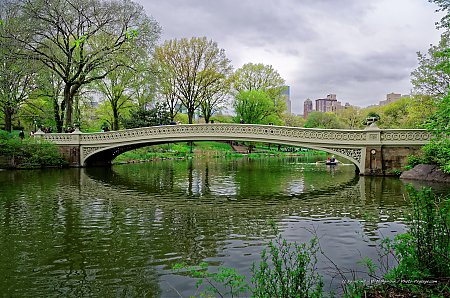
114, 88
192, 70
395, 114
215, 99
351, 117
78, 39
143, 118
428, 78
46, 102
323, 120
261, 77
253, 106
444, 6
420, 108
293, 120
167, 87
16, 75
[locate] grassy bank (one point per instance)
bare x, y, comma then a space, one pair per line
208, 150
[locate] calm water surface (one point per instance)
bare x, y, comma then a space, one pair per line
117, 232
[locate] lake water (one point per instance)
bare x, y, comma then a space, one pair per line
118, 231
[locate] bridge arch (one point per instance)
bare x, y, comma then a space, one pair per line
108, 153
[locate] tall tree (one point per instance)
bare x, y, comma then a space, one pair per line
16, 84
215, 99
261, 77
351, 117
77, 39
196, 66
167, 87
114, 88
16, 75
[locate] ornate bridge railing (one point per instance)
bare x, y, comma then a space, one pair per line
351, 144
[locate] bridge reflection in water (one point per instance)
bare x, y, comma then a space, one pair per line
103, 231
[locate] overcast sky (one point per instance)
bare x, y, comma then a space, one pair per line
358, 49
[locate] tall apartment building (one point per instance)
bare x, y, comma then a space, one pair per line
307, 107
328, 104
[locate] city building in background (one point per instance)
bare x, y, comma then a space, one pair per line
390, 98
287, 99
307, 108
328, 104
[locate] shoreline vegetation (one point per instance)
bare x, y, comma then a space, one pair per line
28, 153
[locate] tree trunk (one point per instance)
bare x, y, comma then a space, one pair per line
207, 116
68, 99
8, 119
58, 114
115, 124
191, 116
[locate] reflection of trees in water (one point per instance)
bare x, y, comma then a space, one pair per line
258, 193
58, 239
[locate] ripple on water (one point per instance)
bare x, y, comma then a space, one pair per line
98, 232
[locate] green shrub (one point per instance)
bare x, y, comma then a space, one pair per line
423, 252
30, 151
224, 282
438, 152
287, 270
414, 161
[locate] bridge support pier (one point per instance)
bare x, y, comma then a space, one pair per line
385, 160
71, 154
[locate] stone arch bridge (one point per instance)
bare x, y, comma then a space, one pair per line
372, 150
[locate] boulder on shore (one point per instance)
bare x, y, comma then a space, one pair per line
426, 173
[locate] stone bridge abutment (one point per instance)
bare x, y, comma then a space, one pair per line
374, 151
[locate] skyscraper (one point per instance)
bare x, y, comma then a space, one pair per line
287, 98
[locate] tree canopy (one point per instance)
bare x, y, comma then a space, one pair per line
78, 40
192, 70
323, 120
253, 106
264, 78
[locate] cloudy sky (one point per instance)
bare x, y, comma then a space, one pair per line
358, 49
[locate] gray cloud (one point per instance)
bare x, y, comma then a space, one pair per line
360, 50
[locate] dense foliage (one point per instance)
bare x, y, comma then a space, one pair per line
253, 106
29, 152
323, 120
143, 118
423, 253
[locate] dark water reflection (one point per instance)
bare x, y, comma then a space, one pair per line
117, 232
